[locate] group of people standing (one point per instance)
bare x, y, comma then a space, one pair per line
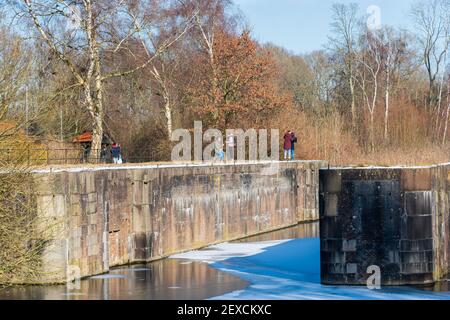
290, 139
111, 154
230, 143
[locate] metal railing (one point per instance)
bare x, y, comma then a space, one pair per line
51, 156
69, 156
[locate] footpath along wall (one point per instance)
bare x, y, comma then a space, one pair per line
111, 216
394, 218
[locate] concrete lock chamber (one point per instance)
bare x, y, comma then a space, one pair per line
394, 219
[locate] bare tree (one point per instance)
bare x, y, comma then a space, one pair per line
322, 69
212, 17
296, 76
345, 28
207, 27
393, 50
432, 23
447, 113
82, 33
15, 70
165, 64
370, 63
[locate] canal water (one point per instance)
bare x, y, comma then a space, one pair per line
278, 265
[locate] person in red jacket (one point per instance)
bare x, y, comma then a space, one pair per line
287, 145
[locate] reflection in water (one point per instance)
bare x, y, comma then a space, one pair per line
175, 279
443, 286
170, 279
167, 279
303, 230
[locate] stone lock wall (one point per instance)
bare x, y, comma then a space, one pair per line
393, 218
440, 185
112, 216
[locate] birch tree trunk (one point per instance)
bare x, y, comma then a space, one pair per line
441, 87
386, 104
208, 38
353, 102
372, 131
444, 137
168, 114
98, 115
95, 97
163, 83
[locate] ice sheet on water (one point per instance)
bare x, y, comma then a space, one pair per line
108, 276
227, 250
290, 269
129, 270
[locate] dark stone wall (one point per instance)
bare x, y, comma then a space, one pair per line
380, 217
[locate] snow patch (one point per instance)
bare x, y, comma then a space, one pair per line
227, 250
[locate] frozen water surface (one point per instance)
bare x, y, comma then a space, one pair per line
290, 269
278, 265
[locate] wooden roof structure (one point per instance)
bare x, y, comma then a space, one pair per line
86, 137
83, 138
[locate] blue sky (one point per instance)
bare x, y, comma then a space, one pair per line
303, 25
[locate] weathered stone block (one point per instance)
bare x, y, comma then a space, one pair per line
93, 250
75, 199
416, 179
416, 245
349, 245
92, 197
75, 209
416, 268
331, 205
352, 268
334, 268
332, 181
418, 227
90, 183
91, 208
417, 257
52, 205
394, 257
418, 203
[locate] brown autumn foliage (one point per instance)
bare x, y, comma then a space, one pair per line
238, 88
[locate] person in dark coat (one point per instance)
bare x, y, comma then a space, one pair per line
287, 145
103, 154
115, 151
293, 142
86, 153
